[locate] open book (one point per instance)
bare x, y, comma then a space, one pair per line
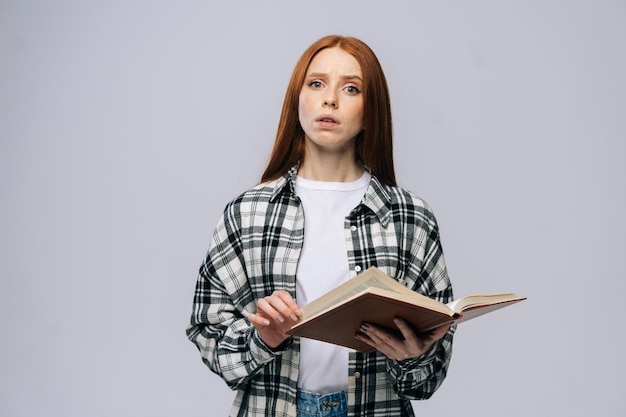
374, 297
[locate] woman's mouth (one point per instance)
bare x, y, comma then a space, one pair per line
327, 121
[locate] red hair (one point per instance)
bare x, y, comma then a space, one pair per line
374, 145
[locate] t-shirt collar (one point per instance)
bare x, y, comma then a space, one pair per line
377, 199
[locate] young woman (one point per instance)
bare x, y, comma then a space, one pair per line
327, 208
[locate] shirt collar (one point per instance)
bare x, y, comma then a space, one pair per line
376, 198
286, 182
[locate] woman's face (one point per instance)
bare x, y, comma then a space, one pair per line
330, 108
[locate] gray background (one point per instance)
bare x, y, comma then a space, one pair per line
127, 126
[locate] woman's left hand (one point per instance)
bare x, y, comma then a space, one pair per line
411, 345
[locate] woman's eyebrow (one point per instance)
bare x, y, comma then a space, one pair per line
325, 75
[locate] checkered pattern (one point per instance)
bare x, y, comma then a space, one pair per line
255, 250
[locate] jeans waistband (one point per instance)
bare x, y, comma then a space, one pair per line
327, 405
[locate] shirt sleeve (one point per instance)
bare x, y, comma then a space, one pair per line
419, 378
228, 343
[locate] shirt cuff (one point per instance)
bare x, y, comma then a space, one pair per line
261, 352
410, 364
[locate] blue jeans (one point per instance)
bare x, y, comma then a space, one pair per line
329, 405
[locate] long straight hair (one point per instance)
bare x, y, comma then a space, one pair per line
374, 144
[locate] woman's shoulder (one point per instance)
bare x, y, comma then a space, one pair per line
407, 205
405, 198
259, 194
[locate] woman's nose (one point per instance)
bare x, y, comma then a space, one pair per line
330, 102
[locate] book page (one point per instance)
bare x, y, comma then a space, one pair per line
369, 278
335, 297
481, 300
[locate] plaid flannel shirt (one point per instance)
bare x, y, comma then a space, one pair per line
255, 250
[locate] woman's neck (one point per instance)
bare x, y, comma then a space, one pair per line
330, 169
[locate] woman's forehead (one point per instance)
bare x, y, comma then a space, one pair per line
335, 61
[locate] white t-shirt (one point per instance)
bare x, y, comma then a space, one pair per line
323, 265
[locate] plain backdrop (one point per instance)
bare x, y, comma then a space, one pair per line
126, 126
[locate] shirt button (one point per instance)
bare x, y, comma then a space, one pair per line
357, 375
357, 268
353, 228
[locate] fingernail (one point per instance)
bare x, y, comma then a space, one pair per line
280, 319
266, 322
293, 317
298, 312
398, 320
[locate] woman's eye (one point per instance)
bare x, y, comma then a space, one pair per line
315, 84
351, 89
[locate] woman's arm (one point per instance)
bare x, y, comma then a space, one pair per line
228, 343
418, 364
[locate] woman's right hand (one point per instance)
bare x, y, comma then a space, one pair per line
275, 315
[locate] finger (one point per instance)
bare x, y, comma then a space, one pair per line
267, 306
379, 336
406, 330
258, 321
270, 333
368, 340
364, 338
380, 340
294, 310
277, 306
285, 305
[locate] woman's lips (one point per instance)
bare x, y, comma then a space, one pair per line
327, 121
